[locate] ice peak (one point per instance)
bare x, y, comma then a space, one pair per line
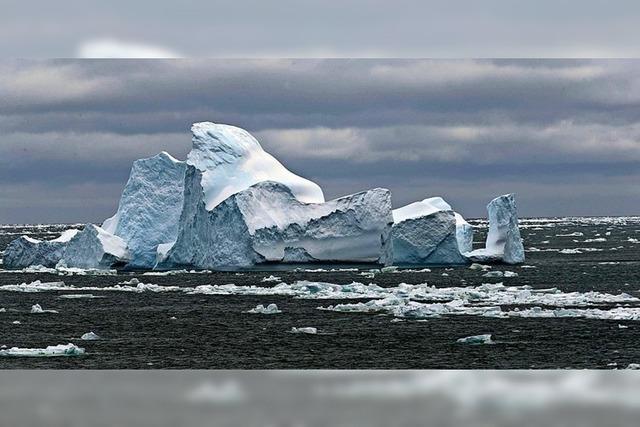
215, 144
232, 160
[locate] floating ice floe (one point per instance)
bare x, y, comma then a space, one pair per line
37, 309
50, 351
271, 278
89, 336
500, 274
476, 339
305, 330
261, 309
483, 267
80, 296
576, 234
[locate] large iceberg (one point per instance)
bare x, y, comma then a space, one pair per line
26, 251
430, 232
93, 247
267, 223
231, 204
503, 239
149, 208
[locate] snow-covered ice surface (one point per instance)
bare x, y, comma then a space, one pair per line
561, 310
232, 160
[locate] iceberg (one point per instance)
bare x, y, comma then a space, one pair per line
261, 223
93, 247
231, 204
503, 240
426, 207
149, 208
426, 240
26, 251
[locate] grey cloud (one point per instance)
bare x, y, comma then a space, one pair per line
463, 129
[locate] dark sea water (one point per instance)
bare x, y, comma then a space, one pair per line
215, 331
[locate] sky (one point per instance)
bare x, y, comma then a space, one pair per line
564, 135
320, 28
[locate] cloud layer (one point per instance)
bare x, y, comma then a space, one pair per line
563, 134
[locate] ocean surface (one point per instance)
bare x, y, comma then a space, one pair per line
573, 304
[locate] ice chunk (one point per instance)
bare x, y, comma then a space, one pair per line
428, 207
79, 296
26, 251
89, 336
149, 208
257, 224
427, 239
500, 274
270, 309
306, 330
93, 247
37, 286
37, 309
50, 351
483, 267
503, 240
232, 160
476, 339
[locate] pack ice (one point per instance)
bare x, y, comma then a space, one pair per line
231, 204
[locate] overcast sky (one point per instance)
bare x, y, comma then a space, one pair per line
562, 134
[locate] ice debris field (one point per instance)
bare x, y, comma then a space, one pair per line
231, 205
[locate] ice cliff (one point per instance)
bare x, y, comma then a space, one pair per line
149, 208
